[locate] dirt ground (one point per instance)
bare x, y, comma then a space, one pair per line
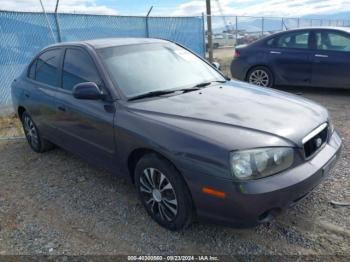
224, 57
54, 203
10, 127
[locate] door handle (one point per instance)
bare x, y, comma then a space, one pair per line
275, 52
319, 55
27, 95
61, 108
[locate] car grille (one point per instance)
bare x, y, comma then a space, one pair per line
315, 140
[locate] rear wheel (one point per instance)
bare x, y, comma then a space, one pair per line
260, 76
35, 141
163, 192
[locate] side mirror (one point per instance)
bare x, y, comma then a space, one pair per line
216, 65
87, 90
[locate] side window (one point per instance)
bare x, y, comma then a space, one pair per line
270, 42
47, 64
294, 40
332, 41
78, 67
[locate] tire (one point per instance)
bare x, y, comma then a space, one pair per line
260, 76
32, 133
164, 193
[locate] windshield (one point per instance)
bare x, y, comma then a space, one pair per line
140, 69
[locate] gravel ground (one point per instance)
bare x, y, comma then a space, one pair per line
54, 203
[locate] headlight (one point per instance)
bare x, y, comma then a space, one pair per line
258, 163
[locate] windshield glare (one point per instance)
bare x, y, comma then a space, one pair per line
139, 69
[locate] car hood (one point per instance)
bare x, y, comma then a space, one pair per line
241, 105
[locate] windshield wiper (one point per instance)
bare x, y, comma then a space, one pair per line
165, 92
204, 84
151, 94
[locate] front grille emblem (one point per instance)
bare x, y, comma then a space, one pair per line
318, 142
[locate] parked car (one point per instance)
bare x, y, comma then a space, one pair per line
318, 57
222, 40
195, 144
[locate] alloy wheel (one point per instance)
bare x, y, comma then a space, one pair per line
158, 194
260, 78
30, 132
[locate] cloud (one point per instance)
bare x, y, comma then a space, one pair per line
278, 8
65, 6
275, 8
197, 7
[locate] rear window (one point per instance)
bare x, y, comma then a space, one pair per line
45, 68
31, 71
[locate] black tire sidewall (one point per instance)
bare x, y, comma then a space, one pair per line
38, 149
184, 213
268, 72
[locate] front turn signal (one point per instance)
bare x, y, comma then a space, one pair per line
213, 192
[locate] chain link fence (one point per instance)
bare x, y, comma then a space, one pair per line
23, 34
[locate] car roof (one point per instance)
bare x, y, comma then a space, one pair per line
344, 29
110, 42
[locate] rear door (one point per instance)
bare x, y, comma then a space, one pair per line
290, 57
331, 60
85, 126
39, 94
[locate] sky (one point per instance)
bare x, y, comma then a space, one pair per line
276, 8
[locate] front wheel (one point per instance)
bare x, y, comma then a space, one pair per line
260, 76
163, 192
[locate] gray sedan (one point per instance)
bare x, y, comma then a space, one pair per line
196, 145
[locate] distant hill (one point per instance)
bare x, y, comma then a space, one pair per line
336, 16
272, 24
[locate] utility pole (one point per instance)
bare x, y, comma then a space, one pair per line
209, 32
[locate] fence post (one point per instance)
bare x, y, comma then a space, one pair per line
203, 28
236, 30
262, 26
210, 32
298, 22
57, 23
147, 16
47, 20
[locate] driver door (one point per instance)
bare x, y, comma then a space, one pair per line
331, 60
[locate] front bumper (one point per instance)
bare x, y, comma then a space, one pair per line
253, 202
